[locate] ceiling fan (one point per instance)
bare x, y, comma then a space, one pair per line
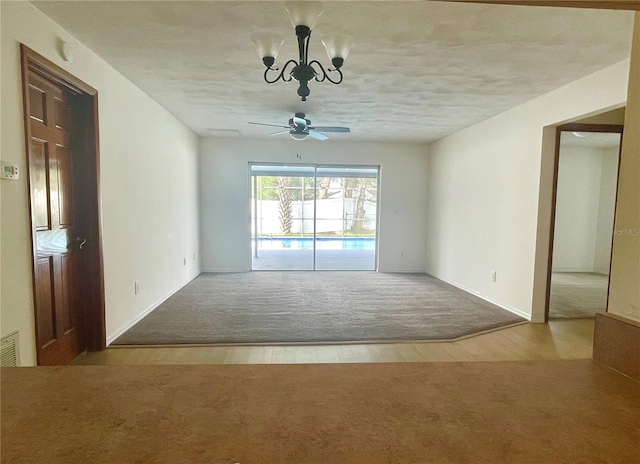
300, 128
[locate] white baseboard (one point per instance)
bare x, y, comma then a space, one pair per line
403, 271
575, 270
225, 269
537, 319
519, 312
237, 269
143, 314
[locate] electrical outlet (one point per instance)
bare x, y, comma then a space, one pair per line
136, 287
194, 256
493, 275
184, 262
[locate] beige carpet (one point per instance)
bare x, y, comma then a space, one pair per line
486, 412
577, 294
328, 306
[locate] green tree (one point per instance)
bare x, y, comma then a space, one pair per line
358, 223
323, 187
267, 188
362, 189
285, 207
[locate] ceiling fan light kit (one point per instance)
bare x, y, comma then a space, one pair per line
304, 16
298, 136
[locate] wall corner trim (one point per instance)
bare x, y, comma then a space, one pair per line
616, 343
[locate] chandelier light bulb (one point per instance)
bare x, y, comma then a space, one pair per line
267, 44
338, 46
304, 13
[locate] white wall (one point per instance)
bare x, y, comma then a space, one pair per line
606, 209
587, 178
224, 180
578, 198
624, 291
148, 179
484, 186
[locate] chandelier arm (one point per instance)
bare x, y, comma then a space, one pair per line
306, 51
281, 74
324, 74
301, 50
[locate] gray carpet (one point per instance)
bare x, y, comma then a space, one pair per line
329, 306
577, 294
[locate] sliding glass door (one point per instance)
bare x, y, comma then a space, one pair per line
346, 217
282, 217
313, 217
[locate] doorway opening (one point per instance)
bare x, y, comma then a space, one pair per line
61, 131
584, 199
314, 217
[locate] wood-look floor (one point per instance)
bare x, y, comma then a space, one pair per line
561, 339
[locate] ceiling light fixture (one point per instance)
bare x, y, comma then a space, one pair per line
296, 135
303, 17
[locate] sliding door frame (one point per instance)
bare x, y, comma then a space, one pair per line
315, 177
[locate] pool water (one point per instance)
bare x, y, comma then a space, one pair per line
322, 243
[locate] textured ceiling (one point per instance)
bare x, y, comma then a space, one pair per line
417, 72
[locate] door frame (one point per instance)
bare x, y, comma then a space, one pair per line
315, 167
93, 328
575, 127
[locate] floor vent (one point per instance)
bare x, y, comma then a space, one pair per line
9, 350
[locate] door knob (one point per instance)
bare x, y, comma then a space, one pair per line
81, 241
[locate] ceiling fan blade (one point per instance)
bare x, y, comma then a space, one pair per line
279, 133
330, 129
270, 125
299, 122
317, 135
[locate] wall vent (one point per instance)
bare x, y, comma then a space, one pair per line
9, 350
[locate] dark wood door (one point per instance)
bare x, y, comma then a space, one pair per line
56, 237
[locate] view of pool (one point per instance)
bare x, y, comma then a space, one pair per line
322, 243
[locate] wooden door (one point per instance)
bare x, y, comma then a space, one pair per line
55, 231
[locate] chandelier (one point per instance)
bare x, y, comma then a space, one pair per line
304, 15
